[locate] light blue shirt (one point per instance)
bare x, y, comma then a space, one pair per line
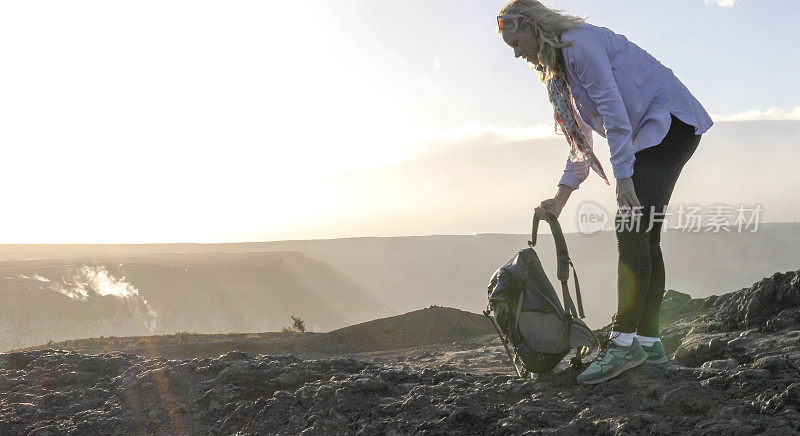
625, 95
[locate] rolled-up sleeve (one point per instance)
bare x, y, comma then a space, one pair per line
589, 60
576, 172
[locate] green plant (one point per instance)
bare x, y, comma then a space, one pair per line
298, 326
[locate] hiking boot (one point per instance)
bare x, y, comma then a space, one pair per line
656, 353
612, 361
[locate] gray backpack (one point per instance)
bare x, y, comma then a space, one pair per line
536, 330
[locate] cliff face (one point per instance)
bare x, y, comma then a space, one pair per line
735, 369
44, 300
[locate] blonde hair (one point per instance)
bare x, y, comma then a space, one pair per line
548, 26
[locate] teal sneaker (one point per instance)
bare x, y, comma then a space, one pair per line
612, 361
656, 353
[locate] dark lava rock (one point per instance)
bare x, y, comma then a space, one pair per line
757, 305
690, 399
733, 325
735, 371
286, 395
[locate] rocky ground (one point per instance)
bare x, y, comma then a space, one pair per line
735, 369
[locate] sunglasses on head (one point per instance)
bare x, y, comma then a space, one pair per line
510, 23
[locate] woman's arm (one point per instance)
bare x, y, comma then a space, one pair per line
555, 204
576, 172
589, 60
563, 193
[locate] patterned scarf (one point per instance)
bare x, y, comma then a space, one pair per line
564, 115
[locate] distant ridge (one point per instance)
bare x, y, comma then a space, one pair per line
432, 325
435, 324
333, 276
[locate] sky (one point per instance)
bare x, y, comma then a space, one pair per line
201, 121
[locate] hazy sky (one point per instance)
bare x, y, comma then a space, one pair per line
198, 121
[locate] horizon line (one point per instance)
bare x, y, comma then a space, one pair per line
545, 230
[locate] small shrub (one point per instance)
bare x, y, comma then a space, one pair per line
298, 324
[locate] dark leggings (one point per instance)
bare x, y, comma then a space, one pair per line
641, 277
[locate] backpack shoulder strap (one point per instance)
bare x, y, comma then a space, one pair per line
577, 291
564, 261
558, 237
